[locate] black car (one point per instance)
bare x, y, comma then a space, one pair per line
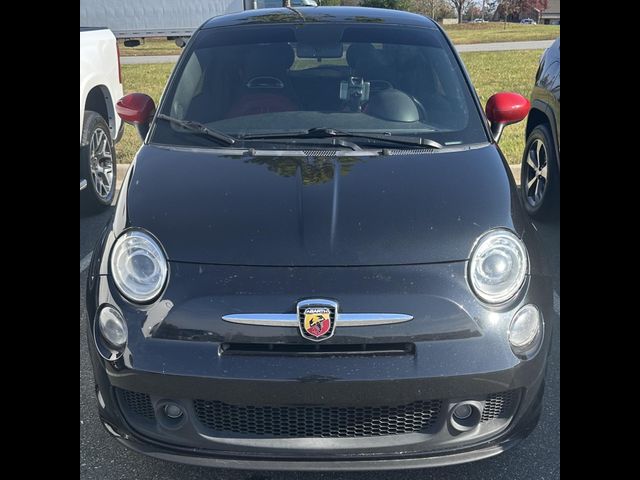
319, 259
540, 175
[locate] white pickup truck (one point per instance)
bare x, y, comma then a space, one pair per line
100, 127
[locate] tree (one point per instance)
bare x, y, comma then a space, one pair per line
490, 8
473, 11
393, 4
459, 5
436, 9
516, 9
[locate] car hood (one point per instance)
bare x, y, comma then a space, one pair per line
282, 209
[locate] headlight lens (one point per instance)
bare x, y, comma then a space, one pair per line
139, 266
525, 330
113, 327
499, 264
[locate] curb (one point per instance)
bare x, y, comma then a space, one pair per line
123, 167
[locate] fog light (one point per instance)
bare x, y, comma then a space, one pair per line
113, 327
463, 411
465, 416
172, 410
525, 330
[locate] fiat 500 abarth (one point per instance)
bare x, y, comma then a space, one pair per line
319, 258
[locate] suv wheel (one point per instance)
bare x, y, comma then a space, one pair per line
539, 176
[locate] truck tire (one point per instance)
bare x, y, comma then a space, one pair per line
97, 163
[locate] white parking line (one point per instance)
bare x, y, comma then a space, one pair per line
556, 302
84, 263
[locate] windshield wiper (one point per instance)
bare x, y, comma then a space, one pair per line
197, 127
332, 132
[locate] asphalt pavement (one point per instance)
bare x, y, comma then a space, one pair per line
478, 47
102, 457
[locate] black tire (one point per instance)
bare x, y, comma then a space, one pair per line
540, 195
97, 149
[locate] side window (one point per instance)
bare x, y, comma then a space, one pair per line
549, 74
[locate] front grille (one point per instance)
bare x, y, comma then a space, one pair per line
319, 422
317, 349
497, 405
138, 404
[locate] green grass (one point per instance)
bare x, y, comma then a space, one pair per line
512, 71
149, 79
490, 72
459, 34
467, 33
151, 46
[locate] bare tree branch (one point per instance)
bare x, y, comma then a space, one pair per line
460, 5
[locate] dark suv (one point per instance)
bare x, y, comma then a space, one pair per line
541, 159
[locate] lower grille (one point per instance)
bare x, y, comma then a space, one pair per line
305, 421
497, 405
138, 404
319, 422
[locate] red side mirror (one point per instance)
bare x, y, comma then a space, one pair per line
138, 110
505, 108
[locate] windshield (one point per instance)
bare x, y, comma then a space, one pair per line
286, 79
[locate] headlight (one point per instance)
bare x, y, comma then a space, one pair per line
499, 264
112, 327
525, 331
139, 266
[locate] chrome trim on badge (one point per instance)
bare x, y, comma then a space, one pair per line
291, 319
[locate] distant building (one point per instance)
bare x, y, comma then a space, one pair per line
551, 16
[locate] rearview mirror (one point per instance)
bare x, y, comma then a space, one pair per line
137, 109
310, 50
505, 108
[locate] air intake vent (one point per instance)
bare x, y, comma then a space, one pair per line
317, 421
497, 405
414, 151
306, 349
137, 404
320, 153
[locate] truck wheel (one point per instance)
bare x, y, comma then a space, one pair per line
97, 163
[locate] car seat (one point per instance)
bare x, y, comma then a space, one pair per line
265, 87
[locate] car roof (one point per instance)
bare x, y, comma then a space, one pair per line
362, 15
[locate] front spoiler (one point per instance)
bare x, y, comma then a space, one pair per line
512, 436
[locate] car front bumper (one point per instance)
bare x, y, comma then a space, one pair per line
362, 462
326, 411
